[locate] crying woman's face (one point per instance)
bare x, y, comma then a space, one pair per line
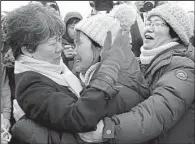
85, 53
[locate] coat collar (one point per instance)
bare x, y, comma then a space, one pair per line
164, 58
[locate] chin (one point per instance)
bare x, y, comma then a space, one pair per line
148, 47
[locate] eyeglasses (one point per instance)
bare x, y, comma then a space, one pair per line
155, 24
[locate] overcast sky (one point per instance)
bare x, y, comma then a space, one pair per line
80, 6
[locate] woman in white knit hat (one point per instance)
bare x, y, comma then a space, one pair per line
71, 116
167, 116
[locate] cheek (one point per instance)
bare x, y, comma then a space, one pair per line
86, 58
71, 32
45, 52
162, 35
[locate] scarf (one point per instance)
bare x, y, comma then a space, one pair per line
58, 73
147, 55
89, 73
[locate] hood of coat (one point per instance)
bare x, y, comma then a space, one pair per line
67, 17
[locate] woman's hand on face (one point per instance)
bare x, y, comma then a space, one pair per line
18, 112
69, 52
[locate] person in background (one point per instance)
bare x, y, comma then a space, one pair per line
51, 4
70, 20
167, 116
145, 6
6, 104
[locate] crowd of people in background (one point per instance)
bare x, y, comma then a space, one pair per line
124, 76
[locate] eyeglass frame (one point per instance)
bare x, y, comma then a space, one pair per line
155, 24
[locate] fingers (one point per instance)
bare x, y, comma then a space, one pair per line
125, 39
108, 41
69, 53
68, 47
126, 46
118, 38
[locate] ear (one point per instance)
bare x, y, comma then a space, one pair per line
25, 51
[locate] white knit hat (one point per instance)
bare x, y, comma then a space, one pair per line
97, 26
176, 17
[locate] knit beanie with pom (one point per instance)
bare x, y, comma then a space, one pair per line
97, 26
177, 18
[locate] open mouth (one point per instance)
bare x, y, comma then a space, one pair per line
148, 37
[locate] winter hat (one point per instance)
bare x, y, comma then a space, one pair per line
72, 14
176, 17
191, 17
97, 26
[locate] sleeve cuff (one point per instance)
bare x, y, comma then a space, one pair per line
108, 131
104, 84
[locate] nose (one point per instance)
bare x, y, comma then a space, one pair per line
148, 29
59, 47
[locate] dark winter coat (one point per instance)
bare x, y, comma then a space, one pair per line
168, 114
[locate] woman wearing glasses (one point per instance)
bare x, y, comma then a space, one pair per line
167, 116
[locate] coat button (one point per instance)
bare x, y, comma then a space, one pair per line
108, 132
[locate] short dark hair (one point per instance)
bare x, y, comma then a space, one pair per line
73, 20
31, 25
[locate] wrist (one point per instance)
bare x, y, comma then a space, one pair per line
105, 84
111, 70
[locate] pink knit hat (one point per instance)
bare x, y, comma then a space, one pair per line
176, 17
96, 27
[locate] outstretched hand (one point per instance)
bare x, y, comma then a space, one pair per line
119, 50
112, 51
